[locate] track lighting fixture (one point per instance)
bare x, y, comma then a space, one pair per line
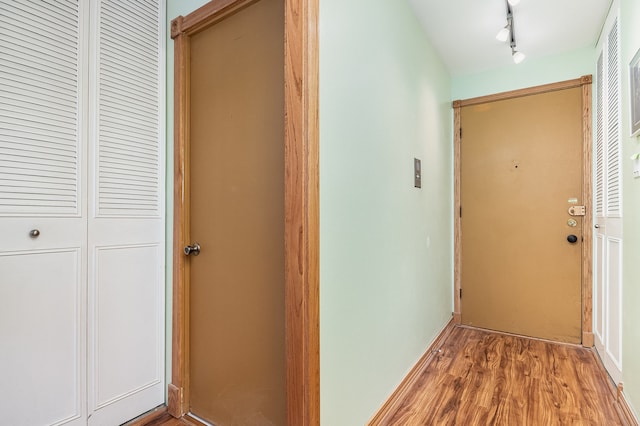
508, 33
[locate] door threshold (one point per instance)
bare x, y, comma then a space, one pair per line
149, 417
506, 333
197, 421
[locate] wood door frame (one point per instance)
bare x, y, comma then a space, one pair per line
301, 186
587, 187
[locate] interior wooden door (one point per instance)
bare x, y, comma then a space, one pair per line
236, 191
521, 172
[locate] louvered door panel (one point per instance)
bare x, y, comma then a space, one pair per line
39, 104
614, 168
126, 220
128, 115
42, 185
600, 170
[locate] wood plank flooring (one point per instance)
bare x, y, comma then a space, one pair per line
485, 378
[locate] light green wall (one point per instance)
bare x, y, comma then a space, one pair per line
175, 8
630, 36
385, 246
529, 73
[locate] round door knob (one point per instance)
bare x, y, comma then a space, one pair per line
572, 239
192, 250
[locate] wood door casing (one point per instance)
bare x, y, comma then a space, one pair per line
585, 84
301, 204
236, 323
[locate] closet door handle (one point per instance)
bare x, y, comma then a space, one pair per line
34, 233
192, 250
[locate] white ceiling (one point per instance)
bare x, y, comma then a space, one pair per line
464, 31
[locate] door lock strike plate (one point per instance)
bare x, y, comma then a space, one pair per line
577, 210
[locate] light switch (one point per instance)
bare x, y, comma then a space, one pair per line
417, 173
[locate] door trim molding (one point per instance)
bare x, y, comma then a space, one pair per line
587, 187
301, 235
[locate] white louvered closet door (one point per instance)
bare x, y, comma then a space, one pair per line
608, 206
126, 210
82, 166
42, 190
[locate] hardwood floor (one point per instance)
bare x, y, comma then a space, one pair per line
484, 378
479, 377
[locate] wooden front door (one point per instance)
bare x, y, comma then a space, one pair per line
236, 181
521, 173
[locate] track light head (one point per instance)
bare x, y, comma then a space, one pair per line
503, 34
518, 56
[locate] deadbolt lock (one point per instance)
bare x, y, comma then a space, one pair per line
577, 210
